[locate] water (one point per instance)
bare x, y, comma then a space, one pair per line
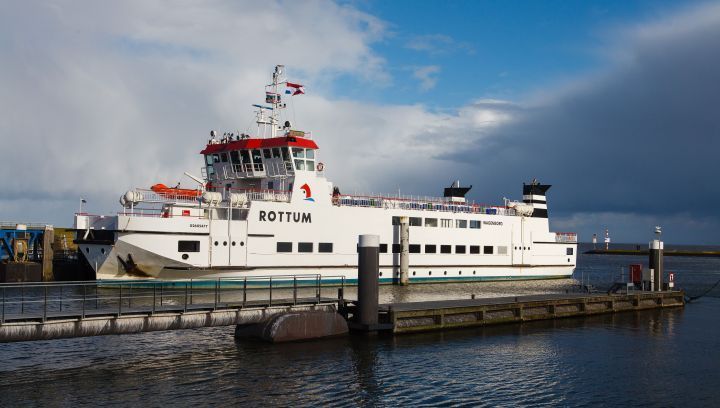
654, 358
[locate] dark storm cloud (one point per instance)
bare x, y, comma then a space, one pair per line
643, 138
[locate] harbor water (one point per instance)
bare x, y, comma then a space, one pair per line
655, 358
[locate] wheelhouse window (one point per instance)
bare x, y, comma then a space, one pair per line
298, 152
216, 158
267, 153
245, 155
310, 165
284, 246
209, 160
223, 157
234, 157
309, 154
188, 246
299, 164
285, 154
276, 152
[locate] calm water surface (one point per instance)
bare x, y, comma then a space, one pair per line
655, 358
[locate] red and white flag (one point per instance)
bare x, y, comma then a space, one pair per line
294, 89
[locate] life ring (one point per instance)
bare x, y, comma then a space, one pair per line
320, 167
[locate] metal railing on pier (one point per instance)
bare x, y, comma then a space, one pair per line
42, 301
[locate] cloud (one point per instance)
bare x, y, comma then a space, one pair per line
438, 44
638, 140
426, 75
99, 98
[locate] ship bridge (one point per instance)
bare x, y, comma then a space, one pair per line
241, 162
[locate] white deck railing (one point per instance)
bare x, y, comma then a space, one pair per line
420, 203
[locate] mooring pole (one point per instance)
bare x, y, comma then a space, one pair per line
656, 264
404, 250
368, 270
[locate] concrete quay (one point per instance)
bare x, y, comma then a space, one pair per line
451, 314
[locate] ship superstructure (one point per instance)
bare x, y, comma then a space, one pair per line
263, 206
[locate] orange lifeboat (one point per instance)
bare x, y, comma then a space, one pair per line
173, 192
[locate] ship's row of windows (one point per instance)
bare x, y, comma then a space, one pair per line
327, 247
441, 222
305, 247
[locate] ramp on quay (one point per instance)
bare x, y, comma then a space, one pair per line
45, 311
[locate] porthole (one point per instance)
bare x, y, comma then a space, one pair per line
413, 273
460, 273
185, 256
242, 243
233, 243
473, 272
445, 273
216, 243
429, 273
87, 250
224, 243
380, 273
102, 250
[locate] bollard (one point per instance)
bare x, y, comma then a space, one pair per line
368, 269
656, 264
404, 250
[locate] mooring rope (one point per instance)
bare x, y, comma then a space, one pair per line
689, 299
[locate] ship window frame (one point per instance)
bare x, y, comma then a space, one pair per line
414, 248
299, 164
461, 223
502, 250
383, 248
298, 153
396, 248
224, 157
284, 247
188, 246
310, 165
415, 221
446, 249
310, 154
267, 153
256, 155
209, 160
325, 247
475, 224
216, 158
569, 251
430, 248
460, 249
446, 223
431, 222
235, 157
306, 247
488, 250
276, 153
474, 249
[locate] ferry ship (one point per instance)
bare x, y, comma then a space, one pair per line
264, 207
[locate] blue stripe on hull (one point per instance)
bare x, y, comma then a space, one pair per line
305, 283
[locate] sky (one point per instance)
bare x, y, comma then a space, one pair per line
614, 103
